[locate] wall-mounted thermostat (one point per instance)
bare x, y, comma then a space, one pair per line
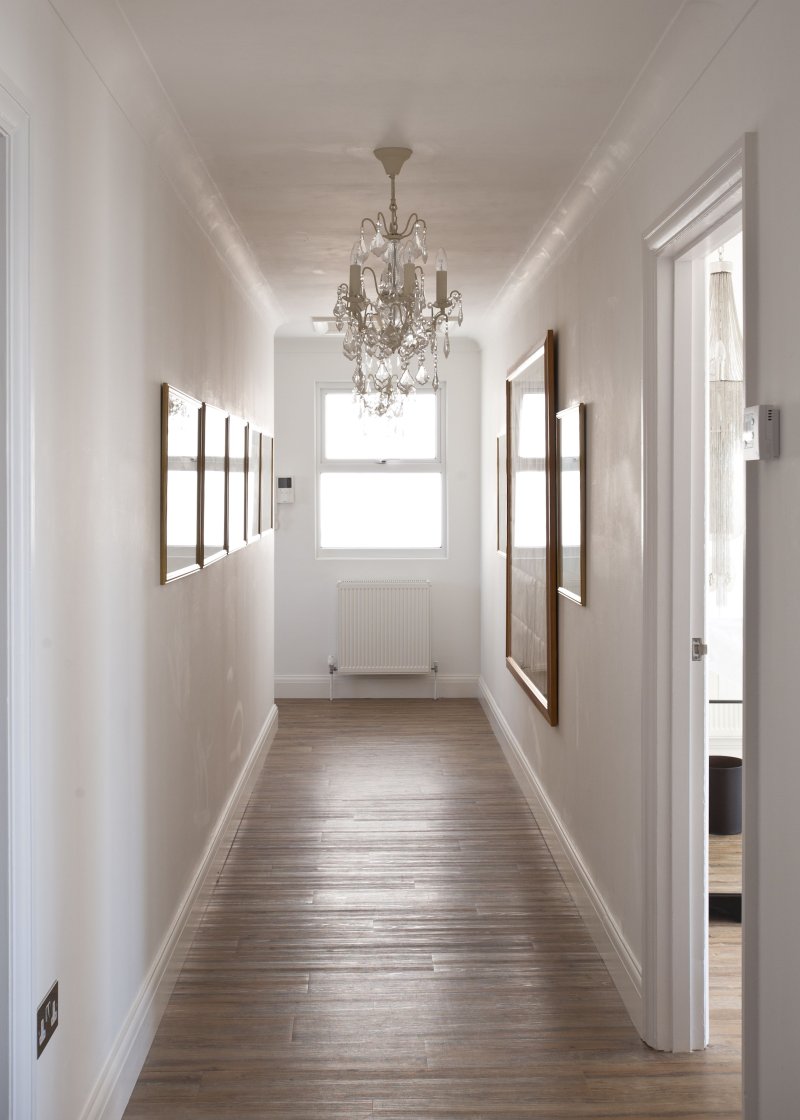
762, 432
285, 490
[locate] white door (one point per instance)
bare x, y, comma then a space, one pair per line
16, 440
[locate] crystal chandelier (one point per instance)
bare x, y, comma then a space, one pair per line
392, 334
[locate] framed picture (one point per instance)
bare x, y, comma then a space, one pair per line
213, 477
531, 552
502, 500
572, 503
267, 519
180, 484
235, 507
253, 482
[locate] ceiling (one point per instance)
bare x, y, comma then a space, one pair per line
502, 103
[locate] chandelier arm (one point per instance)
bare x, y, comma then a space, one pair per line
368, 221
408, 226
371, 270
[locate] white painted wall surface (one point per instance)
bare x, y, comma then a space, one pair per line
305, 586
590, 765
147, 699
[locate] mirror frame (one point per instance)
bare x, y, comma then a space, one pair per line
238, 515
565, 414
167, 392
267, 506
545, 700
252, 475
502, 493
209, 557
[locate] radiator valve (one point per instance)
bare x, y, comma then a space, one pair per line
331, 663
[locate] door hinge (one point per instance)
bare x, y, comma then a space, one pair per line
699, 649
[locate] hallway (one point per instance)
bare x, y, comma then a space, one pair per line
390, 937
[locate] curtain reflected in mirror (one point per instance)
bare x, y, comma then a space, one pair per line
180, 483
531, 649
572, 504
214, 434
236, 512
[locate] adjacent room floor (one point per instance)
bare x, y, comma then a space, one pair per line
391, 938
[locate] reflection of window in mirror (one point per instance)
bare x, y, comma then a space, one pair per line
253, 481
533, 426
214, 429
180, 437
530, 509
237, 433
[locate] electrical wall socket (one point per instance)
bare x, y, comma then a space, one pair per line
46, 1019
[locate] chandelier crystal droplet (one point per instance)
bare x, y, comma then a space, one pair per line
390, 332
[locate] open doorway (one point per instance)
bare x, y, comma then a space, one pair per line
678, 251
724, 638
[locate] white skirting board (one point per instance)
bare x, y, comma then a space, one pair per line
123, 1066
358, 687
625, 970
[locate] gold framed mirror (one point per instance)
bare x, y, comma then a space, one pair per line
180, 484
267, 518
502, 495
572, 503
531, 548
253, 472
235, 504
213, 488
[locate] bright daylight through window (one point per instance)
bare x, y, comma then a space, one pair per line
381, 480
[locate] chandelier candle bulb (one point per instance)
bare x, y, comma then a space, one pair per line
441, 278
355, 279
408, 278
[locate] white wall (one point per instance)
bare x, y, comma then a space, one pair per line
146, 699
590, 766
306, 586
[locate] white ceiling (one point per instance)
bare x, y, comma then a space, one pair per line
501, 101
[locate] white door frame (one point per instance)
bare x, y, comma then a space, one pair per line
16, 441
673, 780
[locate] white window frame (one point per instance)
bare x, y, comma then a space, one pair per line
438, 465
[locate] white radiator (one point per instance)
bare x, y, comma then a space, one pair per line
384, 626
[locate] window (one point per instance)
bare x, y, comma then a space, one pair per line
380, 482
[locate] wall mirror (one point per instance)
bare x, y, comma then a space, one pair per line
180, 483
531, 572
214, 451
236, 512
502, 498
267, 520
253, 482
572, 503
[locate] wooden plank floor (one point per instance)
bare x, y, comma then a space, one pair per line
725, 864
390, 938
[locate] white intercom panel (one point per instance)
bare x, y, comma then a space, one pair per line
762, 432
285, 490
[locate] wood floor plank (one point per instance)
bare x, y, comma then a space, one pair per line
725, 864
390, 938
